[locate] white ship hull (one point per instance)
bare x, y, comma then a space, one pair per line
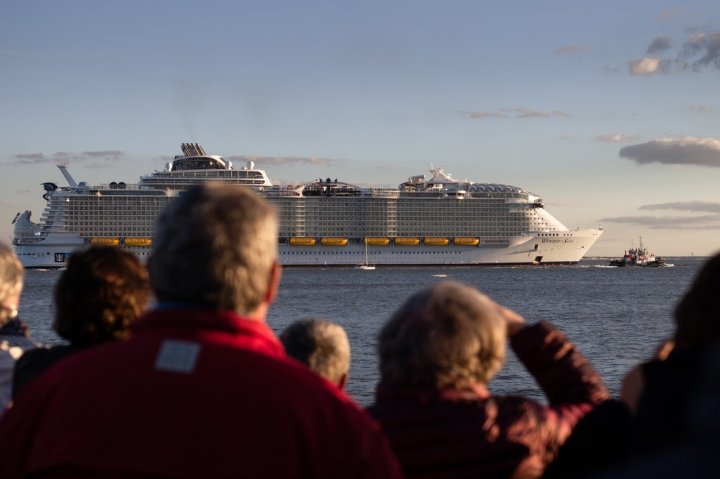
567, 249
532, 250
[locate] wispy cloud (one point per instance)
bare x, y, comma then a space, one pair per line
526, 113
615, 138
31, 158
701, 109
573, 50
697, 52
667, 15
481, 115
659, 44
104, 154
687, 151
647, 66
520, 113
700, 222
64, 157
701, 50
704, 222
694, 206
283, 160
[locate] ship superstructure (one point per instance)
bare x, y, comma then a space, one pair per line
324, 222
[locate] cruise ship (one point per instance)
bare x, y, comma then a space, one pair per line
426, 220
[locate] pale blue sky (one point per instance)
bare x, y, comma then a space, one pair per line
541, 95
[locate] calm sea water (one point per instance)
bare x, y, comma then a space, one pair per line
616, 316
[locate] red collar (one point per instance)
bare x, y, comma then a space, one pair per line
194, 320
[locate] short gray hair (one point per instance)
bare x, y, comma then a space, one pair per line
321, 345
215, 245
449, 335
12, 274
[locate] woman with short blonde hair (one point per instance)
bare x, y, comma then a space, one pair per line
437, 354
467, 335
14, 340
12, 274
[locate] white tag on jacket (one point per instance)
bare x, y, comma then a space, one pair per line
177, 356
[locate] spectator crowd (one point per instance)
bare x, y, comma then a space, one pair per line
169, 370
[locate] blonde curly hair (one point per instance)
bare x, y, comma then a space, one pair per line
12, 274
449, 335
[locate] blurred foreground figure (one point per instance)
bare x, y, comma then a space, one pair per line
660, 392
202, 388
667, 424
437, 354
14, 339
675, 395
320, 345
103, 290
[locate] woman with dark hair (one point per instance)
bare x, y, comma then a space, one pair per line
102, 291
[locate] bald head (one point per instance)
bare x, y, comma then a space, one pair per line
321, 345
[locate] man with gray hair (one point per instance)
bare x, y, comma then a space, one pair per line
13, 333
438, 353
202, 388
322, 346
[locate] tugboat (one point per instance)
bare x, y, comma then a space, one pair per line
639, 256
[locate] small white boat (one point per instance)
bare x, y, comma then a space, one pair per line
366, 265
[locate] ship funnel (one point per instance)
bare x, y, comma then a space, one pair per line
192, 149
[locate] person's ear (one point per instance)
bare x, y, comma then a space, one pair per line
275, 276
342, 381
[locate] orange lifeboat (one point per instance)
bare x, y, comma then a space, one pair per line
144, 242
302, 241
377, 241
466, 241
334, 241
104, 241
434, 241
407, 241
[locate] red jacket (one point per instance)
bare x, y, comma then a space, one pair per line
191, 394
453, 433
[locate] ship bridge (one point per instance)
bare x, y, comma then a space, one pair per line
199, 163
195, 166
328, 187
195, 158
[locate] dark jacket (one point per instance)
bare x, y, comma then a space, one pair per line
192, 393
35, 361
14, 342
452, 433
663, 409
